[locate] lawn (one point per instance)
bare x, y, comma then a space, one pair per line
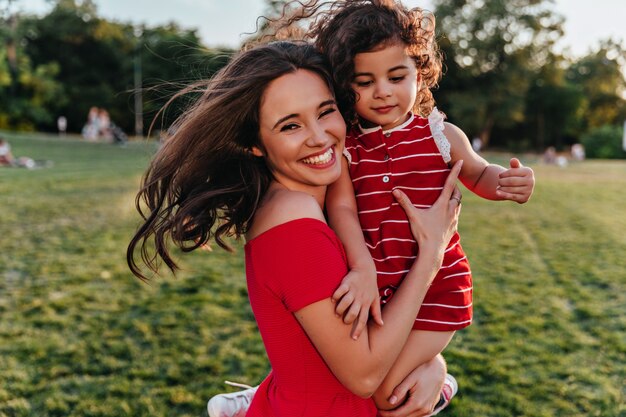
80, 336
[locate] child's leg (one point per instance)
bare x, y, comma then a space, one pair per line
420, 347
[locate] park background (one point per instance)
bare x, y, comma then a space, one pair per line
79, 336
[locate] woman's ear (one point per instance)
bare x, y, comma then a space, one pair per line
257, 152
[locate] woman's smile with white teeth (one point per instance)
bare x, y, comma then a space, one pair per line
320, 159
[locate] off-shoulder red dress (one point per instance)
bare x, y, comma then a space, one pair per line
289, 267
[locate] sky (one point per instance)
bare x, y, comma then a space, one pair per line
225, 22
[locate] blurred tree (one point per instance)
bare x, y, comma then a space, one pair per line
96, 59
26, 90
8, 31
604, 142
90, 53
600, 76
555, 108
493, 49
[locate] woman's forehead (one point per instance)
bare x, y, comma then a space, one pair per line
295, 92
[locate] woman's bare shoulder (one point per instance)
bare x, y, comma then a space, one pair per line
282, 206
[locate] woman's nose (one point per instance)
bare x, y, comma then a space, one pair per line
317, 135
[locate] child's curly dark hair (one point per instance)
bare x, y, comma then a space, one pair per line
346, 28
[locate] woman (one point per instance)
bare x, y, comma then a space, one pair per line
253, 157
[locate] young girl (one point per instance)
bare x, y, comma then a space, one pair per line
253, 157
385, 61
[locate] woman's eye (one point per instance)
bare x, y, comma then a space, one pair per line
397, 79
290, 126
328, 111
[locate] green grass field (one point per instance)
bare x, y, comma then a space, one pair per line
80, 336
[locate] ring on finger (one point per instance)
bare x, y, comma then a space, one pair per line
458, 199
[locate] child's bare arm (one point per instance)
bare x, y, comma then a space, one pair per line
358, 293
489, 181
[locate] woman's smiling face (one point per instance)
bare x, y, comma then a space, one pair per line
302, 132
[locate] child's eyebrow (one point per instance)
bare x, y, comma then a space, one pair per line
398, 68
330, 102
370, 74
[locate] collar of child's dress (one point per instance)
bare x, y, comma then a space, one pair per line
393, 129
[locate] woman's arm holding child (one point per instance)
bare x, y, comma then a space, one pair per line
361, 365
489, 181
358, 293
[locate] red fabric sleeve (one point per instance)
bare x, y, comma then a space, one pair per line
307, 261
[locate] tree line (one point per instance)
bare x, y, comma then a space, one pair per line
503, 83
71, 59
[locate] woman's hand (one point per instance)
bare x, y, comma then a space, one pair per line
435, 226
421, 389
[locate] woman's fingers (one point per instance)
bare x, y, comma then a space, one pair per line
450, 184
439, 222
455, 198
400, 392
404, 202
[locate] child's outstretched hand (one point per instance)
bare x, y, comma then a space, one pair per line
356, 297
516, 183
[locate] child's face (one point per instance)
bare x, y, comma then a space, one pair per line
386, 84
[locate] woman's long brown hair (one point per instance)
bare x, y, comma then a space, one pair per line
204, 183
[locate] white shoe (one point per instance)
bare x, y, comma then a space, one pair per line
231, 405
449, 390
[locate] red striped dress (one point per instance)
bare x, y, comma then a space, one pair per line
411, 158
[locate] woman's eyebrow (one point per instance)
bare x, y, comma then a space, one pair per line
330, 102
282, 119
